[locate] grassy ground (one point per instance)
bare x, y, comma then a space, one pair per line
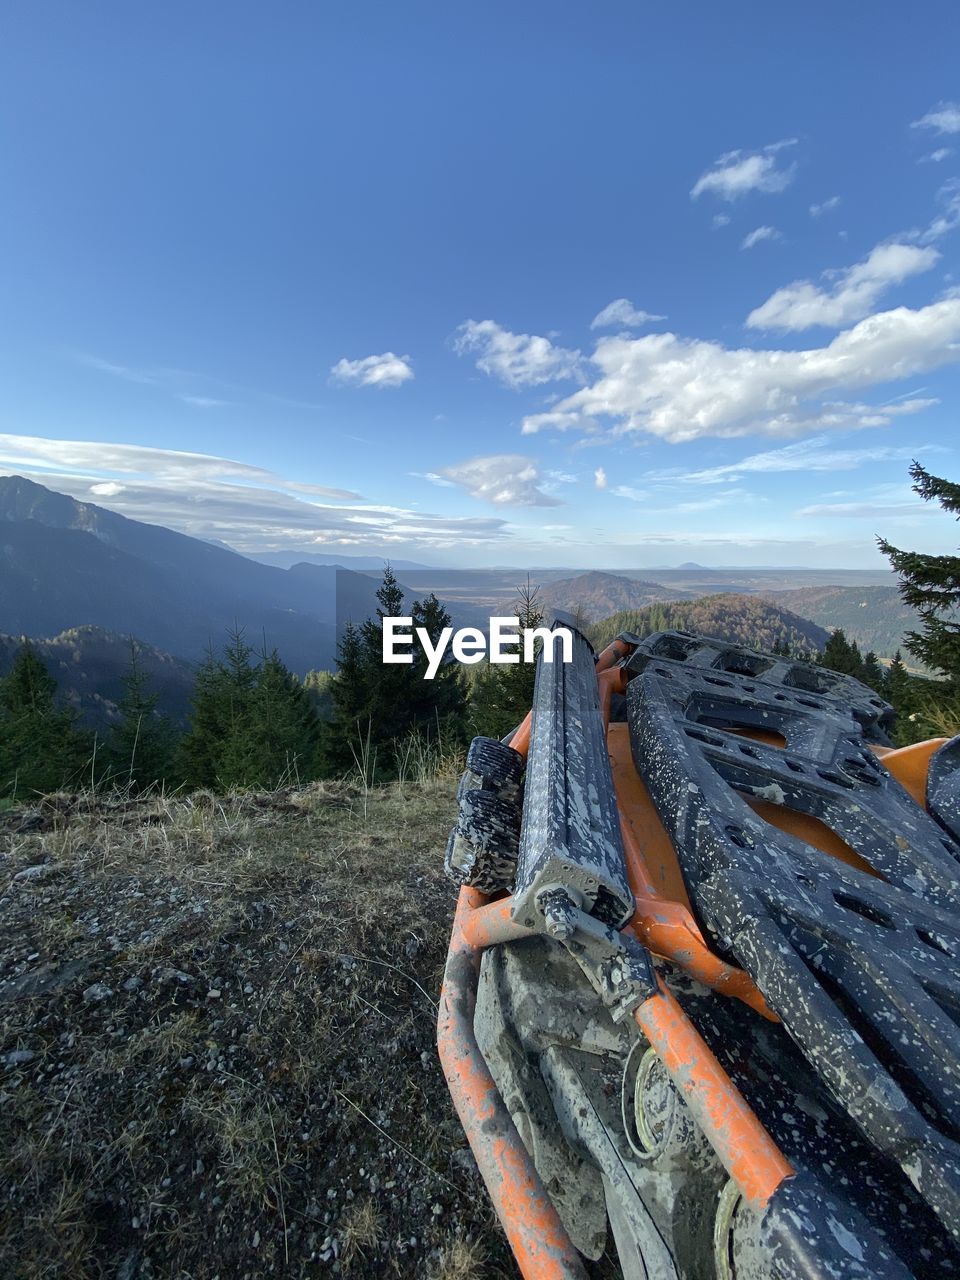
217, 1049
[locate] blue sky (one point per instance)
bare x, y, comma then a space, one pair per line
541, 284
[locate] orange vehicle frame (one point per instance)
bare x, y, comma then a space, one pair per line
666, 926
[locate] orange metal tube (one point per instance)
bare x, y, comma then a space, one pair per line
744, 1147
521, 738
491, 924
910, 765
540, 1244
663, 924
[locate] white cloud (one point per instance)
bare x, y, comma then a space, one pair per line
600, 478
852, 296
817, 210
686, 508
515, 359
684, 389
720, 220
147, 377
858, 509
757, 235
948, 220
738, 172
203, 402
168, 465
244, 506
386, 370
816, 454
507, 480
187, 384
936, 157
944, 118
623, 313
564, 421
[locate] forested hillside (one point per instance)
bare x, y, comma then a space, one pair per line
741, 619
596, 595
89, 665
873, 616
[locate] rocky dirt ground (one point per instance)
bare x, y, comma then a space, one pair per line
217, 1054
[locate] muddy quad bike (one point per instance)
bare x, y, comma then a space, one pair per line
700, 1010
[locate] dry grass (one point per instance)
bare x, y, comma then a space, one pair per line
937, 719
259, 1088
461, 1260
361, 1230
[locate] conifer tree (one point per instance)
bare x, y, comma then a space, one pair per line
279, 732
931, 584
897, 684
213, 746
253, 724
377, 703
319, 687
501, 695
871, 672
41, 747
839, 654
199, 749
141, 744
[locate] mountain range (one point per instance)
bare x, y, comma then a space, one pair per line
65, 563
80, 580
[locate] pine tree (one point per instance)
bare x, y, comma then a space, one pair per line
142, 743
41, 747
438, 704
898, 689
197, 757
213, 744
253, 723
839, 654
349, 716
238, 678
279, 733
931, 584
319, 687
871, 672
501, 695
377, 704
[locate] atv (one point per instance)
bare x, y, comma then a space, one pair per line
700, 1008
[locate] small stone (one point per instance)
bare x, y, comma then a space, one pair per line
213, 994
97, 992
256, 1239
19, 1057
133, 984
32, 873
